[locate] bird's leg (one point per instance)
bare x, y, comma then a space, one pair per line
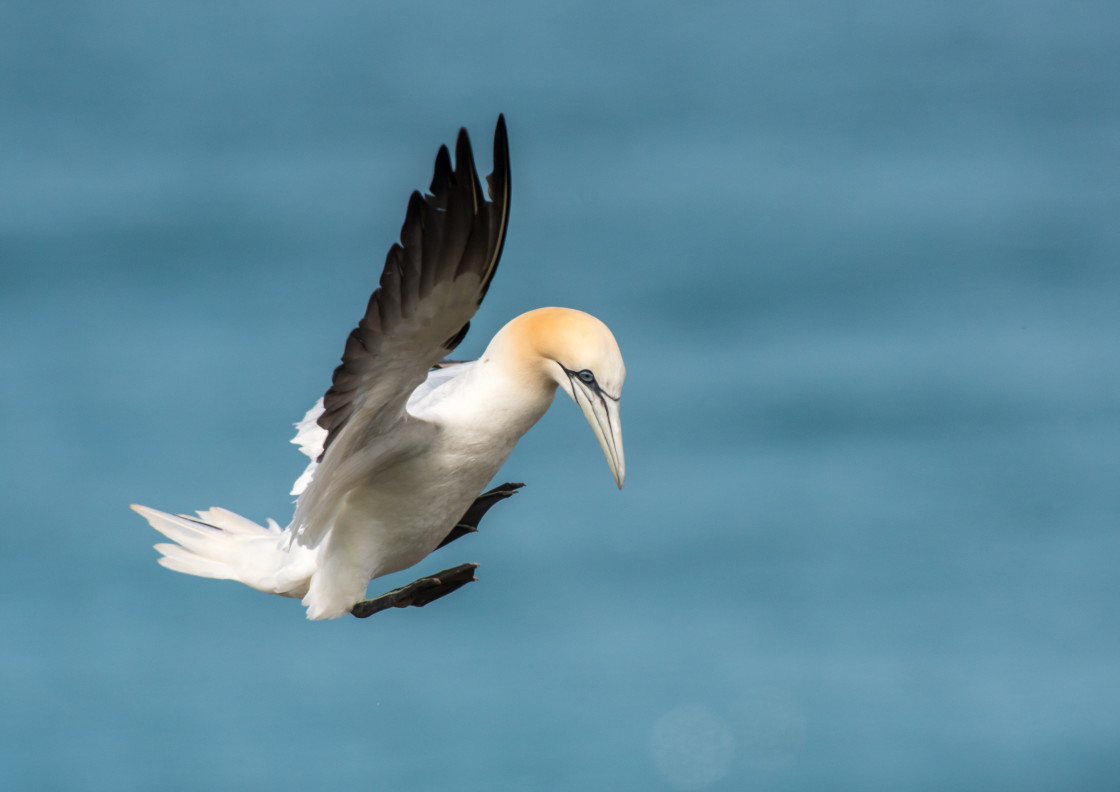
419, 592
469, 521
428, 589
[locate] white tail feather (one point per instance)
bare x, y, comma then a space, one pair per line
226, 546
182, 560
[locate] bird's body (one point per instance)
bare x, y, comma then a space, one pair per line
401, 449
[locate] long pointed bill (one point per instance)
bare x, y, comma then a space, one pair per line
601, 412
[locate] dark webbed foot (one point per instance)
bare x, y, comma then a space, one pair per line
418, 592
469, 522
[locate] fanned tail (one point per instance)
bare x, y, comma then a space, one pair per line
226, 546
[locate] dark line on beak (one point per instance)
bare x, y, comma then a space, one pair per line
610, 425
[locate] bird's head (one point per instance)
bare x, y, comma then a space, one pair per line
579, 353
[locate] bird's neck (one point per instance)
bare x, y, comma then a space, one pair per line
510, 395
507, 390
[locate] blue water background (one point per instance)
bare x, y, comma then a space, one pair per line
863, 260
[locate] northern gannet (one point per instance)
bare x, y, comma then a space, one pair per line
402, 444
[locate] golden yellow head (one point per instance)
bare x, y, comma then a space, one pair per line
579, 353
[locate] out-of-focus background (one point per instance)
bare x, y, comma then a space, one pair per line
863, 260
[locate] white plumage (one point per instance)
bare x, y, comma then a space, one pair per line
400, 450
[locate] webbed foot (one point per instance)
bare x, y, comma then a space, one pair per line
469, 521
419, 592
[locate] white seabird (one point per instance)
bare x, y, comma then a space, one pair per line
402, 445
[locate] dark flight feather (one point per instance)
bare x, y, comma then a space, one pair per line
450, 232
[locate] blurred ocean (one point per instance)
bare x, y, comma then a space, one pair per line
863, 260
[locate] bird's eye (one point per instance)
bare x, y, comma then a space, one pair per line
586, 376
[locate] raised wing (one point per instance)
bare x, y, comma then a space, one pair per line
433, 282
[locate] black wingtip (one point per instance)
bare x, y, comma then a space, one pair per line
498, 180
441, 177
499, 187
464, 156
